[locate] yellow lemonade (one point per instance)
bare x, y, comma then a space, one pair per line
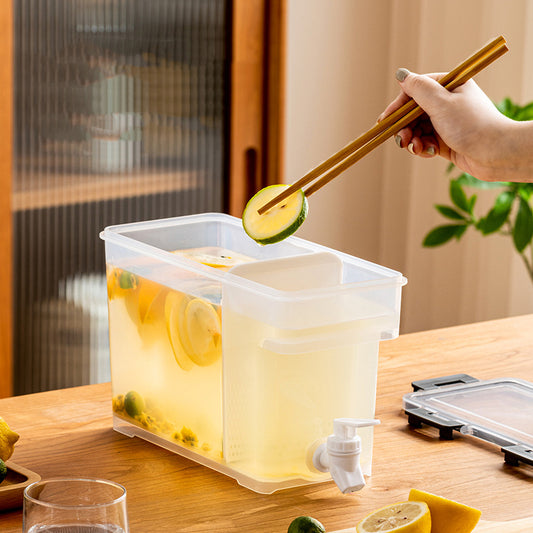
262, 407
167, 353
282, 391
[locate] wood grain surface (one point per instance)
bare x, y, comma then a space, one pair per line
524, 525
69, 432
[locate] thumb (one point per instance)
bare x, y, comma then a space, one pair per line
424, 90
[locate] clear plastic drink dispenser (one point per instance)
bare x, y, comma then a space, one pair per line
241, 356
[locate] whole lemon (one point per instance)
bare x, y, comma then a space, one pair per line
7, 440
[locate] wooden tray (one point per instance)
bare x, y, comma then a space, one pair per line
525, 525
12, 488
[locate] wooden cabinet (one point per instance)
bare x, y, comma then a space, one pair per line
6, 110
252, 148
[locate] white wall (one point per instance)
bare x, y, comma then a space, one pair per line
336, 86
342, 56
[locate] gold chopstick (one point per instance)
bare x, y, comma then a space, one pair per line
389, 126
401, 123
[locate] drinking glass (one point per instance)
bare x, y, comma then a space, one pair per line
75, 505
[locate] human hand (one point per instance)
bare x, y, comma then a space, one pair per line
461, 126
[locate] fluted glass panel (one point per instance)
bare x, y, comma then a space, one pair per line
119, 116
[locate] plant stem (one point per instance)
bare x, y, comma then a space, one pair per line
529, 265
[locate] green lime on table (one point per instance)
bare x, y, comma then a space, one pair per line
134, 403
306, 524
278, 222
3, 471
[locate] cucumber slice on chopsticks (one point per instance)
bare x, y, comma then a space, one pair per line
277, 223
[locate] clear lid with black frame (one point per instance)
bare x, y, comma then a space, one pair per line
498, 411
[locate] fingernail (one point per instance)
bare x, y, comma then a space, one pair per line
401, 74
398, 140
410, 147
430, 150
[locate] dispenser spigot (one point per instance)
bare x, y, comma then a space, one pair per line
340, 454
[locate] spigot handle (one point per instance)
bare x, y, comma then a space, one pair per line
346, 428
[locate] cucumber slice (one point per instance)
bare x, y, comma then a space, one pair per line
280, 221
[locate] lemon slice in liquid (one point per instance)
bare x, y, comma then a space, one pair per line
175, 305
203, 331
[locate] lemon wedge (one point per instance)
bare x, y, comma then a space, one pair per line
447, 516
203, 332
8, 438
175, 306
280, 221
403, 517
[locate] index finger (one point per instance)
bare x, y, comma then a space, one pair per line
398, 102
403, 98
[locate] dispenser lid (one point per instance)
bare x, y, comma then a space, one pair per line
496, 410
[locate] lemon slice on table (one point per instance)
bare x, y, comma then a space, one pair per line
447, 516
403, 517
280, 221
203, 332
175, 306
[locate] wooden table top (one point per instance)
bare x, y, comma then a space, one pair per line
69, 433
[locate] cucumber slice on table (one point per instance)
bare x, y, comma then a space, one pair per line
280, 221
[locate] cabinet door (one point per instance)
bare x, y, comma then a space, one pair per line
100, 138
5, 198
256, 109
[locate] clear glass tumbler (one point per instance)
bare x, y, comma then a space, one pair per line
75, 505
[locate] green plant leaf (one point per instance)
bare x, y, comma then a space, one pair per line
504, 105
515, 111
525, 113
458, 196
525, 190
471, 203
442, 234
504, 201
460, 230
466, 180
497, 216
508, 108
523, 226
449, 212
